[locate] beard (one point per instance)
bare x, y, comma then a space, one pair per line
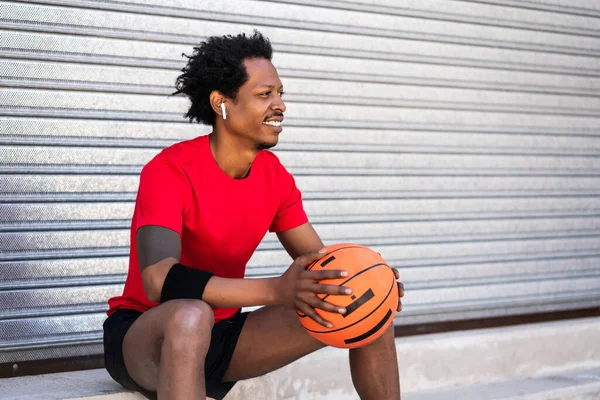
265, 145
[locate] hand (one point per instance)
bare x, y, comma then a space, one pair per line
298, 288
400, 289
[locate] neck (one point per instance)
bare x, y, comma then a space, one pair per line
234, 157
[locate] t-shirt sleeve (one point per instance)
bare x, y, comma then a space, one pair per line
162, 195
291, 211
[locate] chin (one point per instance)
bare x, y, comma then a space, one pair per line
266, 145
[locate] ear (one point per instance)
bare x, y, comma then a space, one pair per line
216, 98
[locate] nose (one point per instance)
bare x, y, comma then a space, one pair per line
278, 105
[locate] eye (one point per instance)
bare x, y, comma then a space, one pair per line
266, 94
281, 94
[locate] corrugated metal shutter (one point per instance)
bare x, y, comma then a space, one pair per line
459, 138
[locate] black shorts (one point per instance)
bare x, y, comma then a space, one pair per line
224, 337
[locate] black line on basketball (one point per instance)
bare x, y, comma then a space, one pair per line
330, 259
341, 248
372, 331
366, 296
366, 316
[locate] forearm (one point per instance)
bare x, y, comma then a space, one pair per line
159, 249
232, 293
219, 292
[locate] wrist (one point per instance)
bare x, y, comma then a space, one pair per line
273, 296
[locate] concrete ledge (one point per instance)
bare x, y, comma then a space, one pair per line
96, 384
427, 363
571, 384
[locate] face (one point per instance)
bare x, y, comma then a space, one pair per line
257, 113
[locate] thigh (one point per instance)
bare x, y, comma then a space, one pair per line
271, 338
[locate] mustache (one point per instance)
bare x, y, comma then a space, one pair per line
274, 115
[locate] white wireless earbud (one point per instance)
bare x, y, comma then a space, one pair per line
223, 109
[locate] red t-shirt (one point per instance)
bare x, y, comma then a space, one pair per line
221, 220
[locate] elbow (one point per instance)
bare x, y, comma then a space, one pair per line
152, 293
154, 297
153, 278
152, 288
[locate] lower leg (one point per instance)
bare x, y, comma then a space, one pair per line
374, 369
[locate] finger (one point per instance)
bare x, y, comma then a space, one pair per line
396, 273
326, 306
312, 314
400, 289
325, 274
321, 288
399, 305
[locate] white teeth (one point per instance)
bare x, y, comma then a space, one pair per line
272, 123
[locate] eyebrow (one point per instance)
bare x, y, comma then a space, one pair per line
269, 86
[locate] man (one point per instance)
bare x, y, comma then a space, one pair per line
202, 208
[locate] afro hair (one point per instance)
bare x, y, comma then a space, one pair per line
217, 64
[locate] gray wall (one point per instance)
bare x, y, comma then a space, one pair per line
458, 138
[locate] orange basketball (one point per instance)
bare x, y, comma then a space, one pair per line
371, 307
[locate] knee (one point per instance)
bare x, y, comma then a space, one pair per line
389, 334
190, 323
388, 338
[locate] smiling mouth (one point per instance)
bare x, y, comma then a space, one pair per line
272, 123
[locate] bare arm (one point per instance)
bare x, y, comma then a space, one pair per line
300, 240
159, 249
